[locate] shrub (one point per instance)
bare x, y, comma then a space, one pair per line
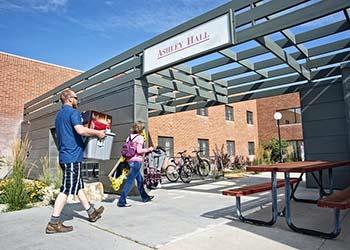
222, 159
273, 146
45, 177
240, 162
35, 190
48, 176
57, 180
14, 193
263, 155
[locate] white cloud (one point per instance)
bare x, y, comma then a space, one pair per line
33, 5
109, 3
154, 16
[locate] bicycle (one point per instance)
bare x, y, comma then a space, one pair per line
180, 169
202, 165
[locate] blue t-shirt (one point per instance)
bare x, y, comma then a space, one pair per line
70, 143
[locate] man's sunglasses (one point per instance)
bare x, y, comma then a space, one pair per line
75, 97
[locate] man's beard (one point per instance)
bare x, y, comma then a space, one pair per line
75, 106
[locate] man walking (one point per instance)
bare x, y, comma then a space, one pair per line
69, 131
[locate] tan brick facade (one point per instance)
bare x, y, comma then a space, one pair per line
267, 128
21, 80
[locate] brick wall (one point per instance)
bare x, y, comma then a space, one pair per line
187, 127
267, 127
21, 80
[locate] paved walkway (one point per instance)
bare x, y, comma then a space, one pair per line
182, 216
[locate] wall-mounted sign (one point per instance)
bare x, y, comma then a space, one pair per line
205, 37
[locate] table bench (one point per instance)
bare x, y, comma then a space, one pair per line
302, 167
338, 200
253, 189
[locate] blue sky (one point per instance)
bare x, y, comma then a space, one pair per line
84, 33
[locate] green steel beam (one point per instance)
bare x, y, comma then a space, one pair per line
327, 60
280, 53
195, 81
232, 55
182, 101
294, 18
265, 10
268, 83
279, 90
197, 106
320, 32
315, 51
175, 85
323, 31
329, 47
161, 107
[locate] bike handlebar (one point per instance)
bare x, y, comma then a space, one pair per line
197, 151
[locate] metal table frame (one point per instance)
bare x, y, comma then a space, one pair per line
302, 168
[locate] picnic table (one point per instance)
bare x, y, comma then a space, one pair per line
340, 200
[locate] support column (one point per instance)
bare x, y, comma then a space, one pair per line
345, 69
326, 129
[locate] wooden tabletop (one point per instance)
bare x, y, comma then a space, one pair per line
298, 167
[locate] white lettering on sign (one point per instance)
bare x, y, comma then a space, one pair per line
198, 40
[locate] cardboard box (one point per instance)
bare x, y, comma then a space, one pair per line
96, 120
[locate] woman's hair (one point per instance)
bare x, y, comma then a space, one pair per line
137, 127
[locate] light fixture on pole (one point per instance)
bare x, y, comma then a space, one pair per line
278, 117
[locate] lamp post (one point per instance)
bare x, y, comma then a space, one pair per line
278, 117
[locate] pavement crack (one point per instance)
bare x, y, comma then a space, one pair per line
119, 235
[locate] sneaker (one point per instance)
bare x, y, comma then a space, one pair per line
149, 198
123, 205
58, 227
96, 214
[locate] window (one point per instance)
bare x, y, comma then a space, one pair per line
229, 113
290, 116
90, 170
168, 144
250, 117
203, 145
53, 149
295, 150
202, 111
231, 147
251, 148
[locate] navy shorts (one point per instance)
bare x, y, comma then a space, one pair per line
72, 181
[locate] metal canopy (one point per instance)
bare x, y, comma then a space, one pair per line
278, 47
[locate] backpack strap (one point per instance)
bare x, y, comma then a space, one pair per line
132, 138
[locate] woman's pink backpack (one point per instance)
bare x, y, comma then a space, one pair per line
129, 148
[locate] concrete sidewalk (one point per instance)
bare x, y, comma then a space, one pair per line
182, 216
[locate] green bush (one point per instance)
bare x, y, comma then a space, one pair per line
48, 176
35, 189
262, 156
57, 180
14, 192
273, 146
15, 195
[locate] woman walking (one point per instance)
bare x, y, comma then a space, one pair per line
135, 163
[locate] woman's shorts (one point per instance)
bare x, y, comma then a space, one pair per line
72, 181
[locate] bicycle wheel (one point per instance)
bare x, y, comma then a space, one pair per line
203, 167
171, 173
186, 173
